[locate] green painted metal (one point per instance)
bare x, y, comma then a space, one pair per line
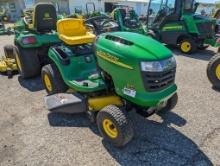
121, 62
187, 24
21, 32
118, 17
78, 69
144, 49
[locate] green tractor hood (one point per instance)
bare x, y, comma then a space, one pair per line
120, 54
135, 46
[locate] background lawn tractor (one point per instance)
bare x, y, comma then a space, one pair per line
175, 23
120, 72
4, 15
128, 20
3, 29
34, 34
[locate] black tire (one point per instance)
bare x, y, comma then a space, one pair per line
9, 51
171, 103
211, 71
191, 45
28, 62
57, 84
120, 122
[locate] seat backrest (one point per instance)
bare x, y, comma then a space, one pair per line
123, 13
71, 27
44, 17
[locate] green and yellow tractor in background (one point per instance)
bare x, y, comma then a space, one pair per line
176, 23
4, 14
35, 32
110, 75
128, 20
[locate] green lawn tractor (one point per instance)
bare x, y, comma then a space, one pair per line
3, 29
34, 34
120, 72
175, 22
128, 20
4, 15
213, 71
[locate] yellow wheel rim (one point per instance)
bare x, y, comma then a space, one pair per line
186, 46
217, 71
110, 128
47, 82
5, 19
18, 62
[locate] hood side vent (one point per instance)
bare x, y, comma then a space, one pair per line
119, 40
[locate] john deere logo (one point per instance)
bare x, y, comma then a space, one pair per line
46, 15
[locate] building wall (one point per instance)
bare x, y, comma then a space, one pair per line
139, 7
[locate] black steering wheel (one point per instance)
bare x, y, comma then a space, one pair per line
102, 24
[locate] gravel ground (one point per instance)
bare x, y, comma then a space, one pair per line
189, 135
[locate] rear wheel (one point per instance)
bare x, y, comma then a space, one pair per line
115, 126
213, 71
9, 51
52, 80
187, 46
27, 61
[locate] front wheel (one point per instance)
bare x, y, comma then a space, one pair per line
213, 71
187, 46
115, 126
52, 80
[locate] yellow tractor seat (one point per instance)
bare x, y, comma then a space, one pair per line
73, 32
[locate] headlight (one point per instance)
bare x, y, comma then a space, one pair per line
158, 66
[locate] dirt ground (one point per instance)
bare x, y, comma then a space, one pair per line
189, 135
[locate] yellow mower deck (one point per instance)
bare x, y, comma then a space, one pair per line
7, 65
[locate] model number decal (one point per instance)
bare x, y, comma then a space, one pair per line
112, 59
129, 92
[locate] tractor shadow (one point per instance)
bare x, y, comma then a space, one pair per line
155, 142
71, 120
158, 143
33, 84
204, 55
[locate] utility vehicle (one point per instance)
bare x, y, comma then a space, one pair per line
110, 75
174, 22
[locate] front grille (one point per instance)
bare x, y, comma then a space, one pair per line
206, 29
156, 81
